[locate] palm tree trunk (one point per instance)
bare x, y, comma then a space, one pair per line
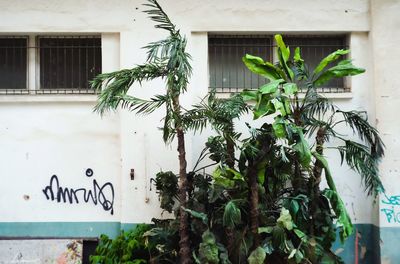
230, 162
252, 183
230, 151
316, 180
253, 199
297, 179
184, 242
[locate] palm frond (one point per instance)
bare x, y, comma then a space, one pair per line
157, 14
358, 122
194, 120
170, 50
141, 106
220, 113
115, 85
313, 124
316, 105
159, 49
360, 159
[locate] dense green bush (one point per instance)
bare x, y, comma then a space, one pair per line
130, 247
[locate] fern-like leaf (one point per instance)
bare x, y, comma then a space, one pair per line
358, 122
361, 160
157, 14
116, 84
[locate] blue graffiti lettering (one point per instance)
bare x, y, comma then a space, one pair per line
392, 200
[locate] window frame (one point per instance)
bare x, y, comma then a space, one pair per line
344, 91
70, 90
33, 66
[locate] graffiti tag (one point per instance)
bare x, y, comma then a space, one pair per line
102, 195
392, 213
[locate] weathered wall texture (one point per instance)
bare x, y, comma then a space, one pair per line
42, 136
35, 251
385, 38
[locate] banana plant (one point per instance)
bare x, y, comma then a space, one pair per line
285, 141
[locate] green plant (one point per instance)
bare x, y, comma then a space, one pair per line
166, 59
263, 202
129, 247
279, 153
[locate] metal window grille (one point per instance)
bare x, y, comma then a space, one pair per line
13, 62
226, 69
64, 64
68, 62
313, 49
228, 74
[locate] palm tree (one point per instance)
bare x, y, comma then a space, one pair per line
166, 59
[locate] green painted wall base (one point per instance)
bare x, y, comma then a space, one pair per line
366, 245
62, 229
373, 245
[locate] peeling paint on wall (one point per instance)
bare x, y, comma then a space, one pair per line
60, 251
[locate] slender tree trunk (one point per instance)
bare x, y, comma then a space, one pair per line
230, 151
297, 179
252, 182
316, 179
184, 242
230, 233
317, 171
253, 199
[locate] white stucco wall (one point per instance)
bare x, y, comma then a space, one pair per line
46, 135
385, 38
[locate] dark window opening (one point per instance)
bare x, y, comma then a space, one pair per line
227, 70
89, 248
313, 49
69, 62
13, 62
228, 73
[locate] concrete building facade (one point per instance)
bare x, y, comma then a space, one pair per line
55, 140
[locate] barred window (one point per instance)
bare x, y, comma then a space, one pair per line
226, 68
314, 49
69, 62
56, 64
227, 72
13, 62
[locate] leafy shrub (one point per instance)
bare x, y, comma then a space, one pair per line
130, 247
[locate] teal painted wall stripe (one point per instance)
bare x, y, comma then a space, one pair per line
369, 250
62, 229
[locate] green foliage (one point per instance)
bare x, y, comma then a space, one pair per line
263, 202
208, 250
129, 247
167, 186
232, 215
167, 59
328, 59
257, 256
345, 225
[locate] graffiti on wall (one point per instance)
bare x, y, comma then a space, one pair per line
391, 208
102, 195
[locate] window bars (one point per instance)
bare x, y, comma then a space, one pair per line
228, 74
63, 64
227, 70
